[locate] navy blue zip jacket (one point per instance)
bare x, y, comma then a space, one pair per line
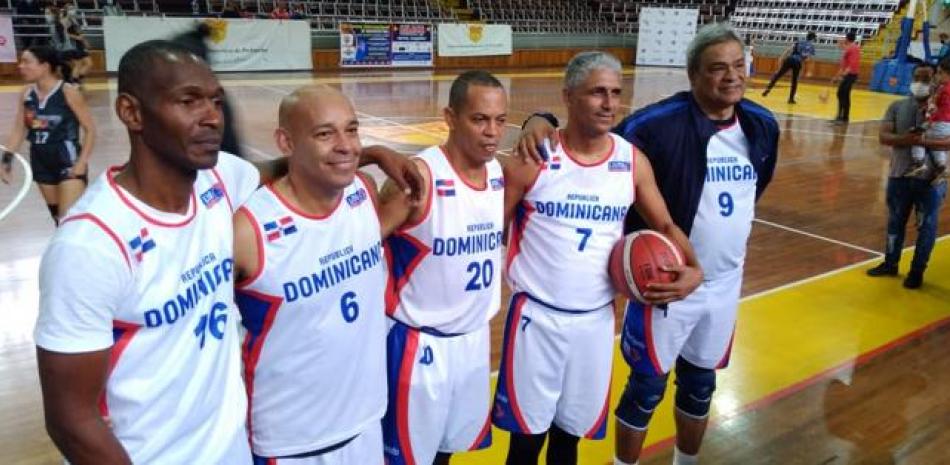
674, 133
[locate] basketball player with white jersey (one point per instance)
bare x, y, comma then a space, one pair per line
567, 215
137, 320
136, 295
311, 285
445, 265
713, 153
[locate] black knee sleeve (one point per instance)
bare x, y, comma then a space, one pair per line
640, 398
694, 388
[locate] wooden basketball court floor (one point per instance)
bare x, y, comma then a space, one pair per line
829, 366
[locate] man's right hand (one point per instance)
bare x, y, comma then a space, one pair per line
531, 139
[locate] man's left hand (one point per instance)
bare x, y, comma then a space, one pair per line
687, 280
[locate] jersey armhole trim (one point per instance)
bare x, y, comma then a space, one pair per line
259, 243
95, 220
428, 208
372, 196
534, 180
224, 187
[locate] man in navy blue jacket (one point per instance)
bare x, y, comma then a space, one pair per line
713, 154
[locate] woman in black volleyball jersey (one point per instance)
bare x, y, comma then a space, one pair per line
50, 115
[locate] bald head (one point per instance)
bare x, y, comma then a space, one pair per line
319, 132
307, 102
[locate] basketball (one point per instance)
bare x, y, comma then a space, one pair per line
636, 262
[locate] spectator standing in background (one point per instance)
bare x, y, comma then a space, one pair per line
847, 76
905, 193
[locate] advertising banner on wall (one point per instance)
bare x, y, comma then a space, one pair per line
385, 45
234, 45
7, 46
472, 40
664, 35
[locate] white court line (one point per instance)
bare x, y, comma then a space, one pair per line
829, 273
796, 283
816, 236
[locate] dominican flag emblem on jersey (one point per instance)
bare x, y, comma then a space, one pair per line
445, 187
356, 198
555, 163
211, 196
279, 228
497, 184
141, 244
618, 166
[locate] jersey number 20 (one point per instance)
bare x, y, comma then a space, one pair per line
483, 274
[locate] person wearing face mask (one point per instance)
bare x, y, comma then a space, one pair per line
944, 47
906, 193
937, 126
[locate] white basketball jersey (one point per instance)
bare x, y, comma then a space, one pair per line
444, 271
727, 204
566, 226
174, 392
315, 348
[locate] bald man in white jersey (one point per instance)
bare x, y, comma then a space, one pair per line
311, 283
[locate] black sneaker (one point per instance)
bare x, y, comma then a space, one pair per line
914, 279
765, 93
884, 269
792, 101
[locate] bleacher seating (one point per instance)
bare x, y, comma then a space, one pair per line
326, 14
626, 13
562, 16
783, 20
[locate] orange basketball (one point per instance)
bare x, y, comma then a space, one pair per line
636, 262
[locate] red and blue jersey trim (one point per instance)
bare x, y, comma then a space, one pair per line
402, 344
636, 340
122, 334
520, 222
404, 253
258, 311
506, 412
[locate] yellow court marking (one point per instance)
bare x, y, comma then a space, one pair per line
865, 105
421, 134
788, 336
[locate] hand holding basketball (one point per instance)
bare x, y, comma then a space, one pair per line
687, 280
648, 267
